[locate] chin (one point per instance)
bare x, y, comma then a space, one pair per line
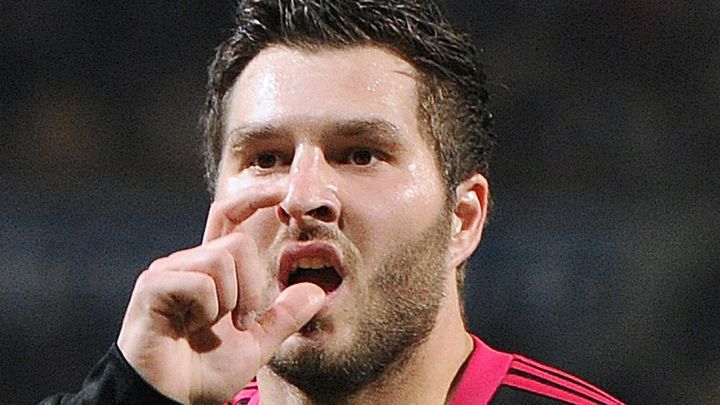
316, 334
314, 344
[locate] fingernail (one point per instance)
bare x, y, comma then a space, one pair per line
316, 297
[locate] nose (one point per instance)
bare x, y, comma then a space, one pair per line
311, 192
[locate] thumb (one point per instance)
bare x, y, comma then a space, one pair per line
293, 308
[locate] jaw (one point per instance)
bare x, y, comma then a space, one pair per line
435, 362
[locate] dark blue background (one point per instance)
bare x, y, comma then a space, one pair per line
601, 254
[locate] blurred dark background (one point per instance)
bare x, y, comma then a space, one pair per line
601, 255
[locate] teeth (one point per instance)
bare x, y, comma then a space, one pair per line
312, 263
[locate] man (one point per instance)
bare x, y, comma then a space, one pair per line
347, 150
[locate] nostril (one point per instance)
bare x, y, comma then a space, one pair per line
322, 213
283, 215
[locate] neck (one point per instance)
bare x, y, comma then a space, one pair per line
427, 377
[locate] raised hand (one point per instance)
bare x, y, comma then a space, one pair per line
190, 329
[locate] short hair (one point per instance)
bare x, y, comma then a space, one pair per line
452, 107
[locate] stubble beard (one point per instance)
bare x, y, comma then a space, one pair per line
403, 300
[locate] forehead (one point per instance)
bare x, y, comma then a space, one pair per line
284, 86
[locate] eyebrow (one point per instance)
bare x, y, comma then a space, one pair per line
242, 137
372, 130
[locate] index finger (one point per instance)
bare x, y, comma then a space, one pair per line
239, 207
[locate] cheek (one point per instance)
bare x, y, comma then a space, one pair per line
229, 186
262, 226
418, 195
383, 216
235, 184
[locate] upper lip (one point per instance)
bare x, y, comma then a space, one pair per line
299, 250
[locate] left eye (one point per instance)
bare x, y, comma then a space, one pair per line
266, 161
361, 157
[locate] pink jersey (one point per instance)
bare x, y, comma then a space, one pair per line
487, 371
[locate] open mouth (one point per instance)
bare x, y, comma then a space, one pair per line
326, 278
316, 265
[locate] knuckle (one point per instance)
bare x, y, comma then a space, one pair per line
216, 259
241, 244
147, 285
204, 259
206, 286
158, 264
145, 280
144, 276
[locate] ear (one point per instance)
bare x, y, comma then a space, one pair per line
472, 198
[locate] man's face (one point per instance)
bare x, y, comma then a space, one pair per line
363, 215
